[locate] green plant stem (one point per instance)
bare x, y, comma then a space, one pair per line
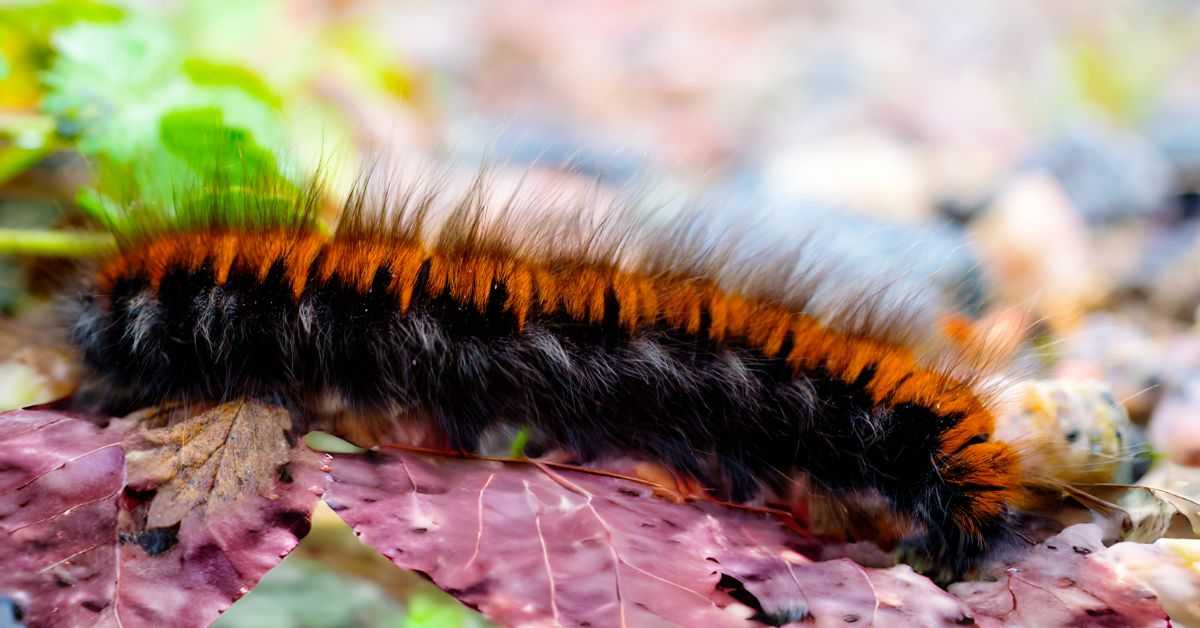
14, 161
48, 243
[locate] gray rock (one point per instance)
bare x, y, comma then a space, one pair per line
1176, 133
1109, 174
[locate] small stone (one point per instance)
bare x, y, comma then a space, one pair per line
1109, 174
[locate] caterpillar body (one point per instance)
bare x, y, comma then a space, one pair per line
731, 377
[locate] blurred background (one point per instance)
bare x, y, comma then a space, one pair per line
1030, 160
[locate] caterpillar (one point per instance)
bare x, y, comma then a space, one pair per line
608, 336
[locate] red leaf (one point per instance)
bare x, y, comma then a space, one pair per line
531, 545
75, 549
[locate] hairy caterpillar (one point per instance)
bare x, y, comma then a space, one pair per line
607, 337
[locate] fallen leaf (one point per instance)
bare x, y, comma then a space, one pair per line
212, 458
1064, 581
1179, 487
76, 548
535, 545
528, 543
1171, 567
60, 480
1163, 503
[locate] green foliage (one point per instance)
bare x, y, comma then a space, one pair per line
168, 104
25, 30
516, 449
38, 20
200, 138
330, 444
300, 593
174, 139
24, 140
25, 49
427, 612
206, 73
370, 59
1123, 73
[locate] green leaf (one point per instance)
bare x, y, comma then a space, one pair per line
328, 443
212, 74
38, 20
110, 83
173, 141
199, 137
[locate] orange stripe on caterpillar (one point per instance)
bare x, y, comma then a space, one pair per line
578, 291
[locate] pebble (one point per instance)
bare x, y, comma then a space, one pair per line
1109, 174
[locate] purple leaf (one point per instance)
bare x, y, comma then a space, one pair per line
523, 548
532, 545
759, 555
133, 524
75, 546
60, 480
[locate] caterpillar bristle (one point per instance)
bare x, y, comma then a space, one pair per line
608, 334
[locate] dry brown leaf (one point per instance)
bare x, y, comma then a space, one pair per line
1169, 490
211, 458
